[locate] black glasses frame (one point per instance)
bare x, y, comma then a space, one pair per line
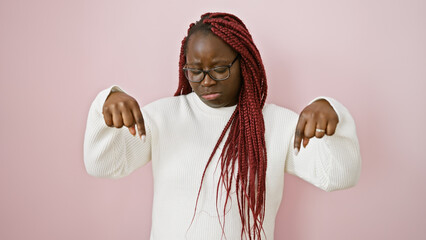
209, 70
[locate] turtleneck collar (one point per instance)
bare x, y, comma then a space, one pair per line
222, 111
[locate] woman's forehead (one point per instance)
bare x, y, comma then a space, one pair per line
202, 45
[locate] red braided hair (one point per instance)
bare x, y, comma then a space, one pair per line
246, 139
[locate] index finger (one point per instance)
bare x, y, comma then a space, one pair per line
137, 114
298, 135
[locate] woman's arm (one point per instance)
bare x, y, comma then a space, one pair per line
112, 152
332, 162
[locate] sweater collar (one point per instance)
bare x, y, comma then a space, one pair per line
222, 111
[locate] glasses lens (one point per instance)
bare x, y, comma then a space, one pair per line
193, 75
220, 73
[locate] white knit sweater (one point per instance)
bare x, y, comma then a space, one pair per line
181, 134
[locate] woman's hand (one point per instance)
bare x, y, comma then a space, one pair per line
121, 109
316, 119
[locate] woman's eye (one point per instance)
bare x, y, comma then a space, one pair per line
195, 71
220, 69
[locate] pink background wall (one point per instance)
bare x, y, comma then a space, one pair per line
55, 56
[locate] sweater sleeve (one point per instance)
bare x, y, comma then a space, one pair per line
111, 152
332, 162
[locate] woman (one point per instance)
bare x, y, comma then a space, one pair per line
218, 118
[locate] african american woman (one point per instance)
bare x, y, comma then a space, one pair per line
218, 151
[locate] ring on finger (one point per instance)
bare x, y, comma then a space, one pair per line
319, 130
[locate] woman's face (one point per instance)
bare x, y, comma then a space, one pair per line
205, 51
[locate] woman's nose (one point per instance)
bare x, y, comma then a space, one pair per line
207, 81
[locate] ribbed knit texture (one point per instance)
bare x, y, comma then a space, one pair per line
181, 134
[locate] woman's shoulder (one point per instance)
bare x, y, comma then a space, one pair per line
279, 120
271, 110
166, 101
167, 105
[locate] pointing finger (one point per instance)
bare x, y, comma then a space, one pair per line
309, 131
300, 128
137, 114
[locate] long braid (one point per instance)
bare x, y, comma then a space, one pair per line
246, 140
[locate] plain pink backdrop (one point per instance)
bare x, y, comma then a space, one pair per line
55, 56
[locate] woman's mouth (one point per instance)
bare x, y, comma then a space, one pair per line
211, 96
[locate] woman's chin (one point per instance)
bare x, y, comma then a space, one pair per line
213, 103
216, 103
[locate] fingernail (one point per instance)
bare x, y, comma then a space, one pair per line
296, 151
143, 138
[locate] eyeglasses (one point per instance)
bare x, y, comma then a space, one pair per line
217, 73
